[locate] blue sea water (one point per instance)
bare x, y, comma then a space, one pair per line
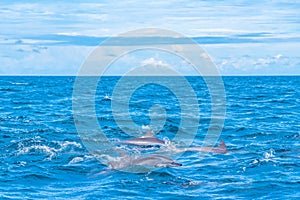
42, 155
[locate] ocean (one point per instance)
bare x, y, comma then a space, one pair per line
43, 156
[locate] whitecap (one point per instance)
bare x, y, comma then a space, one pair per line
19, 83
66, 144
145, 127
76, 160
268, 155
48, 150
22, 163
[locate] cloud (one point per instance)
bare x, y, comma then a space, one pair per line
266, 62
171, 62
36, 60
272, 65
187, 16
154, 62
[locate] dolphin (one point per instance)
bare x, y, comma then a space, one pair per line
152, 160
221, 149
148, 139
157, 161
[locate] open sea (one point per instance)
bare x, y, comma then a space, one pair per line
42, 155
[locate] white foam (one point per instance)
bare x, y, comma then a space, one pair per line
145, 127
23, 163
17, 83
48, 150
76, 160
269, 155
65, 144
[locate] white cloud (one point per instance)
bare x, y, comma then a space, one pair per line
187, 16
277, 64
60, 60
153, 62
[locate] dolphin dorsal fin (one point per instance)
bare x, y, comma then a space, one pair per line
222, 146
149, 134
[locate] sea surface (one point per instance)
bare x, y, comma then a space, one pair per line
42, 155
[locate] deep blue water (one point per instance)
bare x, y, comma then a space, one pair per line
42, 155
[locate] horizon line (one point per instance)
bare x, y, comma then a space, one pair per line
117, 75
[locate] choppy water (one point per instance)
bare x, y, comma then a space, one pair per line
43, 157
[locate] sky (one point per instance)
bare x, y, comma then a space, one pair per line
248, 37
